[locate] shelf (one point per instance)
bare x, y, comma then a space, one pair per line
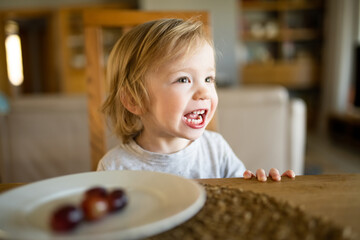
300, 74
280, 5
280, 43
284, 35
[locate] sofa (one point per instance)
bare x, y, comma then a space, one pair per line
47, 136
44, 136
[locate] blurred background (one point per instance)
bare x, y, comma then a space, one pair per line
309, 47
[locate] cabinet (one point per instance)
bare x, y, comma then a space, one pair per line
280, 42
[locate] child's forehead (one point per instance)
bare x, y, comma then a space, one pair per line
185, 58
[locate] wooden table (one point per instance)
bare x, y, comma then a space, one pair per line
335, 197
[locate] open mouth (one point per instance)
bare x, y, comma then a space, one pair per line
196, 119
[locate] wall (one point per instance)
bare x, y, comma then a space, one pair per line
358, 22
224, 27
341, 23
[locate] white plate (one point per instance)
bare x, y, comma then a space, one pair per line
157, 202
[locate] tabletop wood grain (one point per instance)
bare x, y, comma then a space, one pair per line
334, 197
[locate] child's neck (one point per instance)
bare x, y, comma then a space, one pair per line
161, 145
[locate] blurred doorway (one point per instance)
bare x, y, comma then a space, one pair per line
38, 52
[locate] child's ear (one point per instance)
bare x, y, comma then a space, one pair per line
130, 104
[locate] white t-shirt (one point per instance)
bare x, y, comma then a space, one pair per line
209, 156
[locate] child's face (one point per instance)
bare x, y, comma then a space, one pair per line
182, 95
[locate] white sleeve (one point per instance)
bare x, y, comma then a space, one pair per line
233, 167
100, 166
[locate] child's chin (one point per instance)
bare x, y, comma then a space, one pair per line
195, 134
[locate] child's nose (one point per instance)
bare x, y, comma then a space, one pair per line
202, 93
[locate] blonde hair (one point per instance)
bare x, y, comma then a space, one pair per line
142, 48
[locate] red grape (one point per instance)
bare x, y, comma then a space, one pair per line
66, 218
94, 207
96, 204
117, 200
96, 191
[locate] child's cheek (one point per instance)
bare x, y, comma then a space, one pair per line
215, 101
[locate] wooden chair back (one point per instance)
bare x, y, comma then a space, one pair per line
94, 21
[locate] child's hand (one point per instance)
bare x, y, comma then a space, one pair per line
274, 174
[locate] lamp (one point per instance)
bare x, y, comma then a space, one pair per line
13, 54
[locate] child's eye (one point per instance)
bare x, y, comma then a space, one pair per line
183, 80
209, 80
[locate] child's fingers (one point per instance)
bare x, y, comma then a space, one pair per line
289, 173
248, 174
274, 174
261, 176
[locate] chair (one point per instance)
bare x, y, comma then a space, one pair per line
264, 126
94, 21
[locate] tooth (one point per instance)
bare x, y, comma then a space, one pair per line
189, 120
202, 111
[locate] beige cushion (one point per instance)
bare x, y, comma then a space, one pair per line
263, 126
